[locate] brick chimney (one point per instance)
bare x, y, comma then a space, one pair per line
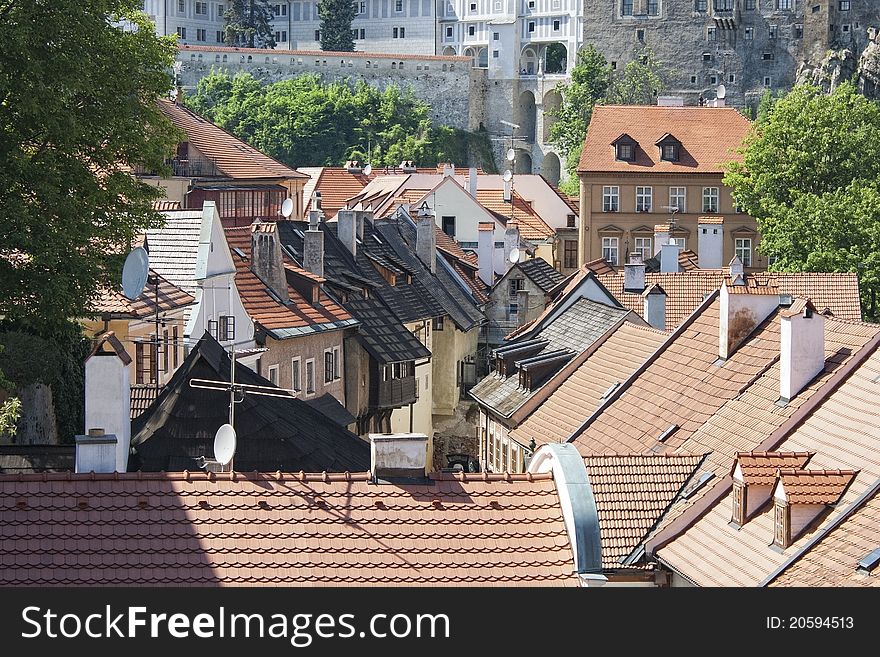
426, 237
802, 348
266, 259
486, 252
744, 305
398, 455
655, 306
346, 230
634, 274
108, 401
710, 242
313, 245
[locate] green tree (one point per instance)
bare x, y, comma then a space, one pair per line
336, 17
810, 176
248, 24
78, 112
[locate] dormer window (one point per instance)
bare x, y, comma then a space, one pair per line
670, 148
625, 148
782, 525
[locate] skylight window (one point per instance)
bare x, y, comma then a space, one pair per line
704, 479
239, 253
614, 386
869, 561
667, 432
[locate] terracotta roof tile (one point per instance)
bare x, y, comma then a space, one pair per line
815, 486
531, 226
709, 137
234, 158
164, 205
281, 529
336, 185
262, 307
171, 297
760, 468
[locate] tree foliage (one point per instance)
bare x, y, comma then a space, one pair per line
77, 112
810, 176
248, 24
593, 82
304, 122
336, 17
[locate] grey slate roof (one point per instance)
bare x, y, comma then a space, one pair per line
328, 405
541, 273
382, 335
573, 331
174, 250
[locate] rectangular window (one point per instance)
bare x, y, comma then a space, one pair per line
219, 36
201, 35
643, 246
310, 376
165, 353
363, 33
681, 241
448, 31
750, 4
226, 328
781, 526
644, 198
362, 7
328, 366
678, 198
202, 8
710, 199
471, 30
531, 26
402, 32
181, 7
438, 323
295, 381
700, 5
783, 4
473, 6
556, 25
737, 514
768, 81
273, 374
711, 34
398, 5
495, 36
394, 32
772, 31
749, 34
448, 225
513, 312
625, 152
174, 347
611, 199
723, 5
670, 152
610, 249
317, 35
515, 285
570, 254
653, 7
626, 8
181, 32
843, 6
495, 54
743, 250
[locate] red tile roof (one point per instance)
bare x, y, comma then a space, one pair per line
815, 486
709, 137
234, 158
337, 185
531, 226
263, 308
760, 468
632, 493
278, 529
113, 302
166, 205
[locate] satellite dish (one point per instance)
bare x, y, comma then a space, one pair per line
511, 155
514, 255
508, 176
287, 207
224, 444
368, 170
721, 92
135, 272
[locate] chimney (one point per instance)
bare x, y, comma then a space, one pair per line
346, 230
398, 455
736, 271
634, 274
108, 398
802, 348
508, 189
354, 166
661, 237
472, 181
669, 258
426, 237
511, 241
313, 245
670, 101
655, 306
407, 166
266, 260
710, 244
448, 170
486, 252
742, 308
96, 452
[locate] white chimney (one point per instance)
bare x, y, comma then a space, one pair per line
472, 181
670, 101
426, 237
736, 269
266, 260
661, 237
354, 166
655, 306
508, 188
634, 274
511, 241
710, 242
802, 347
408, 166
313, 245
448, 170
96, 452
486, 252
108, 396
394, 455
743, 307
346, 230
669, 258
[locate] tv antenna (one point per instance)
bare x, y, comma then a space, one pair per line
224, 445
368, 169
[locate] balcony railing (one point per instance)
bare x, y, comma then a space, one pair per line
395, 393
192, 167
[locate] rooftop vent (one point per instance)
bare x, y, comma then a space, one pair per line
671, 429
869, 561
704, 479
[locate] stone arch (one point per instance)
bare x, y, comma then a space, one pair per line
472, 53
551, 168
483, 58
528, 62
555, 58
523, 162
449, 51
526, 115
551, 104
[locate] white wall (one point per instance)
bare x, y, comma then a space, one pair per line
108, 402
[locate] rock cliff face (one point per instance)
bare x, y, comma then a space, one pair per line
840, 65
869, 66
